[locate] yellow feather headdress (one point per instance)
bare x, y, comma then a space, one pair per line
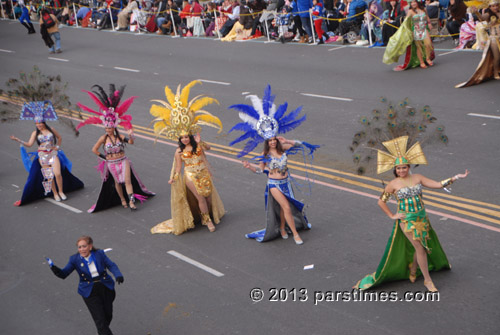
481, 4
398, 155
178, 116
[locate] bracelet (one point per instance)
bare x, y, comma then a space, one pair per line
175, 176
385, 196
258, 171
297, 143
447, 182
102, 156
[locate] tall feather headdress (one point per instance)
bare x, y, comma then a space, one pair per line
180, 116
262, 120
111, 113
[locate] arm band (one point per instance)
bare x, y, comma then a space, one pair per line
258, 171
125, 140
102, 156
446, 182
175, 176
297, 143
385, 196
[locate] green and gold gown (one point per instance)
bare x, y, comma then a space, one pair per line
398, 255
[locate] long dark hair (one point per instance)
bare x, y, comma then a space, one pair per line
279, 148
489, 11
38, 132
117, 135
420, 4
193, 143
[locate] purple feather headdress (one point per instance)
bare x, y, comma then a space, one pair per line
263, 120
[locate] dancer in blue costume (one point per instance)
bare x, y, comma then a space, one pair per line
262, 121
49, 162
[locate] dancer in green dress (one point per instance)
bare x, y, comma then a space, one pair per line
413, 247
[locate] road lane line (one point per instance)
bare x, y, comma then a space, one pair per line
325, 97
7, 51
59, 59
485, 116
446, 53
214, 82
336, 48
195, 263
15, 186
126, 69
60, 204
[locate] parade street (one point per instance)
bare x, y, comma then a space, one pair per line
222, 283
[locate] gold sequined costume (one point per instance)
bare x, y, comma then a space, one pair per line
183, 204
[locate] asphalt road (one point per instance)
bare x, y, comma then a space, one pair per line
165, 295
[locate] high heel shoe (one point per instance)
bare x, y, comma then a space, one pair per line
298, 240
413, 274
206, 220
284, 234
430, 286
63, 196
210, 226
132, 202
124, 203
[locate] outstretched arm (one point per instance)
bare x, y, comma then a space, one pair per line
440, 184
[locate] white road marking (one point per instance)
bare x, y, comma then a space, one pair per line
450, 52
126, 69
214, 82
245, 93
336, 48
15, 186
8, 51
59, 59
131, 232
325, 97
60, 204
484, 115
195, 263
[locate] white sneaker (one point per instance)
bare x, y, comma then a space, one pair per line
296, 38
362, 42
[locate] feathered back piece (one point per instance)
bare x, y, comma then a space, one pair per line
179, 116
263, 120
111, 113
400, 126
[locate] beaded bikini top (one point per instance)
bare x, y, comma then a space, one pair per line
114, 148
409, 191
43, 139
279, 164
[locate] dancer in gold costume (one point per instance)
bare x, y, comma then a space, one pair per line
488, 67
194, 197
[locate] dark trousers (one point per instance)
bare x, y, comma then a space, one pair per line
388, 31
226, 28
454, 28
100, 305
298, 26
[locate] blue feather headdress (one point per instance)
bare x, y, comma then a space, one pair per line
263, 120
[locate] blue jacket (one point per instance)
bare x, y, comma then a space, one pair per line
78, 263
303, 7
356, 6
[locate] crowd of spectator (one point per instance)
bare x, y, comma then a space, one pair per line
302, 21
